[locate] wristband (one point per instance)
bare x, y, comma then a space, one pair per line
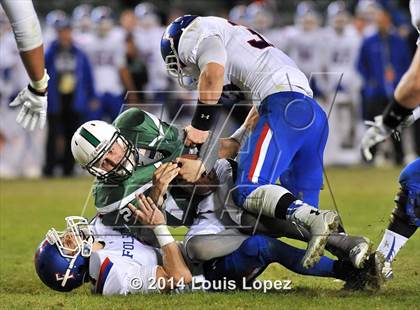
163, 235
36, 92
42, 83
394, 114
204, 115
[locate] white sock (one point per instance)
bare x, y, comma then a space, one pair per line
391, 244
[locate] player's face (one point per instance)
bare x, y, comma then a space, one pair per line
112, 158
104, 27
65, 37
69, 243
340, 22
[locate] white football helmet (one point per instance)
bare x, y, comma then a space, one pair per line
93, 140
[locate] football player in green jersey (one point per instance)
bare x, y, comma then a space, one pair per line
124, 157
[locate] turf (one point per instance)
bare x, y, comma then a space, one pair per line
363, 197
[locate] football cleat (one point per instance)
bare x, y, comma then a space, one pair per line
375, 265
360, 253
368, 278
320, 224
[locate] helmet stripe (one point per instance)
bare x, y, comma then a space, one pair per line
89, 137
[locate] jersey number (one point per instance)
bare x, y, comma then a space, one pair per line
260, 44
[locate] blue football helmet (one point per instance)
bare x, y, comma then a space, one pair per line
169, 48
62, 258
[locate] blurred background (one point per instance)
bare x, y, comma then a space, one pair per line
353, 52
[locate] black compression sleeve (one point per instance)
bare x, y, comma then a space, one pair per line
394, 114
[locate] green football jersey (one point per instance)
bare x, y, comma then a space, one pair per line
161, 143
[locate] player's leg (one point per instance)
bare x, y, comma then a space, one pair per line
257, 252
304, 178
286, 121
269, 150
210, 246
405, 217
353, 248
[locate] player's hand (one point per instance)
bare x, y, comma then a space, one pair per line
376, 133
147, 213
161, 179
34, 108
228, 148
191, 169
164, 175
195, 136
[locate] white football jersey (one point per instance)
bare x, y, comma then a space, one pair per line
148, 43
306, 49
107, 56
253, 64
124, 266
82, 38
340, 56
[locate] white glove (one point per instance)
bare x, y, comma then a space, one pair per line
34, 109
377, 133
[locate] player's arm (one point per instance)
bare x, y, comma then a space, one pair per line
229, 147
211, 60
407, 93
404, 108
174, 269
27, 31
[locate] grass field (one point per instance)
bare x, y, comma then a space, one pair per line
363, 196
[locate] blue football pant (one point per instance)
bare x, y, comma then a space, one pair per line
410, 184
255, 254
288, 144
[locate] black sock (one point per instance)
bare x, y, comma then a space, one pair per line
401, 226
283, 204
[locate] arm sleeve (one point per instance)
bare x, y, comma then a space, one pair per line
24, 22
211, 49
